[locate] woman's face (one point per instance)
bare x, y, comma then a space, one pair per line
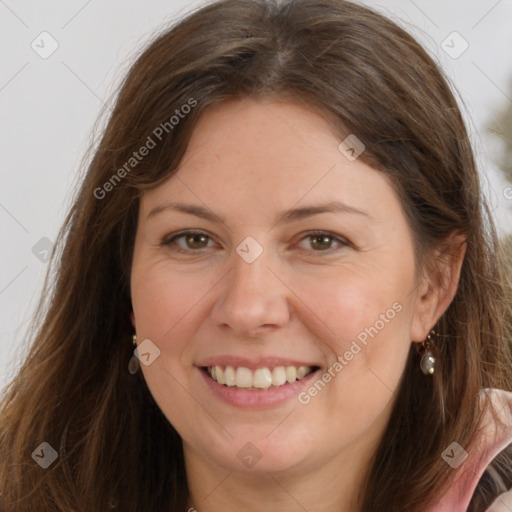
270, 254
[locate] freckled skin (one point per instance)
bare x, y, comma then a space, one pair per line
246, 162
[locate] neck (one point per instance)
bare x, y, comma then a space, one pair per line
331, 487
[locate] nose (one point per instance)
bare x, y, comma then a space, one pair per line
253, 300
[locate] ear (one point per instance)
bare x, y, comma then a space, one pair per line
132, 318
438, 285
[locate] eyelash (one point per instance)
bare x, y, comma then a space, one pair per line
167, 242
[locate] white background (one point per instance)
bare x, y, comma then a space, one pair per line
49, 107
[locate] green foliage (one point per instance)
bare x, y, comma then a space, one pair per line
502, 127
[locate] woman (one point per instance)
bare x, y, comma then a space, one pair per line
278, 287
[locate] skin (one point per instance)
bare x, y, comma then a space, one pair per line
301, 299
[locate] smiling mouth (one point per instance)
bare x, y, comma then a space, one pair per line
259, 379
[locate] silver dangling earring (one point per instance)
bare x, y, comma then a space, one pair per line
428, 361
134, 365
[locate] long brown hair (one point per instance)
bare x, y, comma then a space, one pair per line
367, 77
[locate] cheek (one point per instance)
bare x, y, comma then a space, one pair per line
362, 319
166, 304
365, 329
164, 300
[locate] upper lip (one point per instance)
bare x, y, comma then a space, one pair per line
253, 363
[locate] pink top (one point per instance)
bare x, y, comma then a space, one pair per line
491, 440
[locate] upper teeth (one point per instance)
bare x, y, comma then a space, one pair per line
262, 378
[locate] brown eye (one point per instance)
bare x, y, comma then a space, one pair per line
196, 241
188, 241
322, 242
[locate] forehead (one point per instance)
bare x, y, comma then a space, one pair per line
256, 156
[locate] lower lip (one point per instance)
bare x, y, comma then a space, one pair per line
265, 398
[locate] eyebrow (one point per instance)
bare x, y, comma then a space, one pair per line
286, 216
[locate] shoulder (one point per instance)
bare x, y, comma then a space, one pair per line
503, 503
486, 474
494, 490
